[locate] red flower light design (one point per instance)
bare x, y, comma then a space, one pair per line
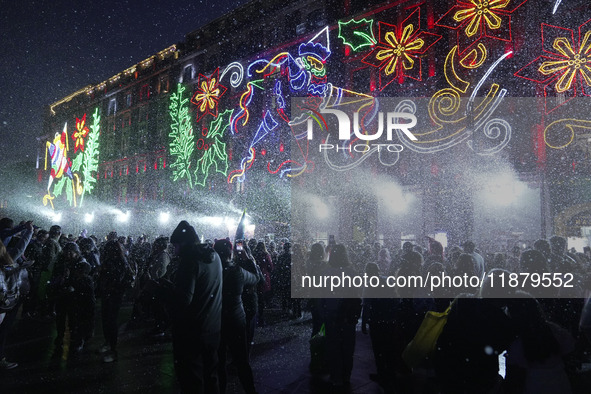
477, 18
566, 67
209, 91
396, 53
80, 133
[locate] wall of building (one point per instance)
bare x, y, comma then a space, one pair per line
208, 125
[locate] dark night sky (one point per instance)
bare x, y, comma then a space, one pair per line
50, 49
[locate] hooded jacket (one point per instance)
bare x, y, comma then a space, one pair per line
197, 293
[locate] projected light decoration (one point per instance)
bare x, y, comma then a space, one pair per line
209, 91
564, 66
397, 52
215, 154
91, 156
182, 139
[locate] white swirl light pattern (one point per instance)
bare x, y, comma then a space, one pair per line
492, 128
236, 76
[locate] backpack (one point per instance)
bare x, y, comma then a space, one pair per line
14, 283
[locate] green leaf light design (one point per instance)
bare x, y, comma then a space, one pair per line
91, 156
216, 154
357, 34
59, 186
182, 138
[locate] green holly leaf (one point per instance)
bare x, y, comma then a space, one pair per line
216, 155
77, 162
357, 34
59, 186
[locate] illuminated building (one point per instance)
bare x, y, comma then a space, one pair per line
211, 118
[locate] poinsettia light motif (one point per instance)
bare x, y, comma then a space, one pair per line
80, 133
565, 66
396, 53
477, 18
209, 91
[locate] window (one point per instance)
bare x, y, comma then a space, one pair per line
144, 114
125, 121
163, 84
123, 193
142, 139
301, 28
316, 19
188, 73
124, 142
141, 166
128, 100
112, 106
145, 92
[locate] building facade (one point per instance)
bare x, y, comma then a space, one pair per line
221, 122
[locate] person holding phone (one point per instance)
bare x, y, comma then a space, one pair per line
233, 339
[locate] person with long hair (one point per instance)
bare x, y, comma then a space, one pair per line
113, 271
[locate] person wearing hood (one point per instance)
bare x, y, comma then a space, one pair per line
195, 301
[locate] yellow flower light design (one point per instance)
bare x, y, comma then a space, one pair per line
476, 19
565, 60
209, 96
575, 62
209, 91
398, 49
80, 133
481, 10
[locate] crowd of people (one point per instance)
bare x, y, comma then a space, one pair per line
212, 295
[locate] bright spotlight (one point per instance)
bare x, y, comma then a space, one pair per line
395, 200
123, 217
88, 217
319, 208
502, 189
230, 223
164, 217
213, 220
57, 217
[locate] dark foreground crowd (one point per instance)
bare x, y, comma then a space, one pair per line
212, 294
